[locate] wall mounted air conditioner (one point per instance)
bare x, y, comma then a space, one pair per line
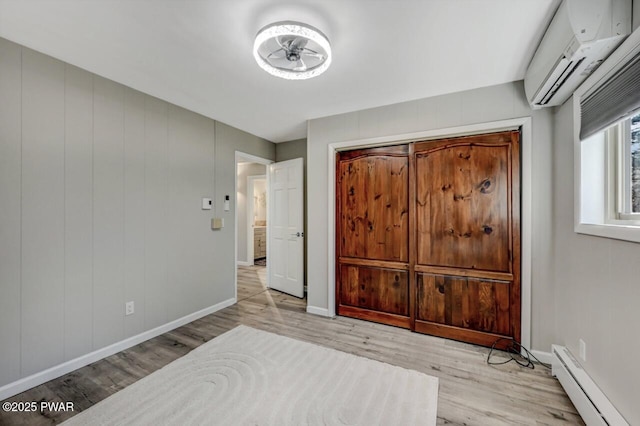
581, 35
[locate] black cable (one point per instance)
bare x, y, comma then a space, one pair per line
515, 351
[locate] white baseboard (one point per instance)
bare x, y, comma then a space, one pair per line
54, 372
546, 357
243, 263
323, 312
594, 406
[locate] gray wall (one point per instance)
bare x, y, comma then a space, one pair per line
597, 288
244, 170
100, 188
475, 106
288, 151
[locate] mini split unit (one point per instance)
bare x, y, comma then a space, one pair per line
580, 37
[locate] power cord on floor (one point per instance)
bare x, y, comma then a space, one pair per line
517, 353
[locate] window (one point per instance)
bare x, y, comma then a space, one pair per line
609, 189
625, 170
631, 194
606, 117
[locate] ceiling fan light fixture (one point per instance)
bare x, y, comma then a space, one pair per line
292, 50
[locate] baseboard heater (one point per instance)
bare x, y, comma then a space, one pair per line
593, 405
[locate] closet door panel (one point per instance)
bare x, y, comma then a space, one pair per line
476, 304
372, 241
462, 211
374, 222
467, 238
384, 290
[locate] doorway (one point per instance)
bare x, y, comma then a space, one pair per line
251, 225
284, 226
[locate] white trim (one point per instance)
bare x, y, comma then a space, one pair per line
546, 357
255, 159
319, 311
241, 263
616, 232
525, 224
54, 372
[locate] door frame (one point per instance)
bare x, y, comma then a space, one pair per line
243, 156
523, 123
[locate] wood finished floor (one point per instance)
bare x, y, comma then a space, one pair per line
471, 392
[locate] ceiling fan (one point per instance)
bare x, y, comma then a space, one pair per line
292, 50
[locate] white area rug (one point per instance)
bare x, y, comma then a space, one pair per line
251, 377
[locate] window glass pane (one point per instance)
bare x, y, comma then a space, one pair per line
635, 164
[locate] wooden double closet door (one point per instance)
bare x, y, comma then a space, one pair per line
428, 236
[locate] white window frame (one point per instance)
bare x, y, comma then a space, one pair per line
618, 175
623, 202
615, 225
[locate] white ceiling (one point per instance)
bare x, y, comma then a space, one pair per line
198, 53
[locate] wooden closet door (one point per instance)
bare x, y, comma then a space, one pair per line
467, 237
372, 235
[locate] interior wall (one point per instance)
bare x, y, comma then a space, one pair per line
100, 189
288, 151
596, 287
474, 106
245, 170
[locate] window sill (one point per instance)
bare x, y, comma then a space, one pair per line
615, 231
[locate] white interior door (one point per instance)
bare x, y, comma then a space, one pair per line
285, 227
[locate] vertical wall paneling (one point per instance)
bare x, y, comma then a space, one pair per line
42, 211
134, 209
99, 206
156, 249
78, 239
108, 213
188, 226
10, 171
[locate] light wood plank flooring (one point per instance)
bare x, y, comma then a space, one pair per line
471, 392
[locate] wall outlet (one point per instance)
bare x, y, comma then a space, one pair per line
583, 350
129, 308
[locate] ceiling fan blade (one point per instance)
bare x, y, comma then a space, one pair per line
274, 54
313, 55
282, 63
298, 43
301, 67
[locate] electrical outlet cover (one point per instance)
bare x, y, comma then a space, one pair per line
583, 350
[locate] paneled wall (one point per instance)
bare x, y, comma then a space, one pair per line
482, 105
597, 287
100, 204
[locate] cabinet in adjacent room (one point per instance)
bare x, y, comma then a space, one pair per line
259, 242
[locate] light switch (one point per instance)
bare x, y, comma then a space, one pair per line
206, 204
226, 203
